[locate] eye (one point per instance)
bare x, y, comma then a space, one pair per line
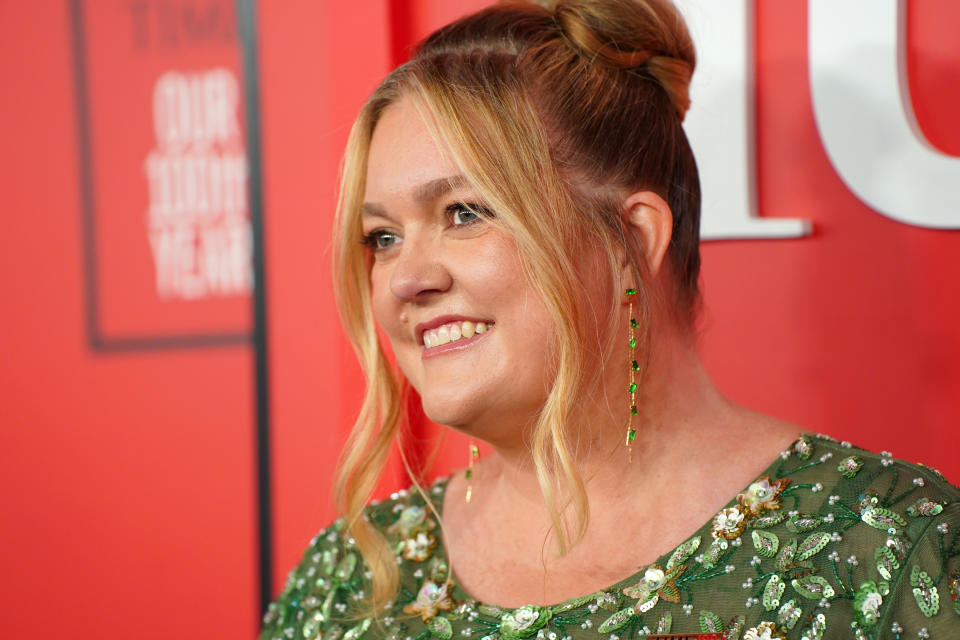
465, 213
380, 239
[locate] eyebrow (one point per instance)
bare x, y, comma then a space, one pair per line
423, 194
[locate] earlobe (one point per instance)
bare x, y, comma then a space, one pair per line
649, 215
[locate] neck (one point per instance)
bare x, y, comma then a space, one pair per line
694, 450
680, 410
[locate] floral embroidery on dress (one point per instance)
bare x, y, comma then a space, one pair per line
802, 553
763, 631
413, 527
729, 523
431, 599
763, 495
655, 584
523, 622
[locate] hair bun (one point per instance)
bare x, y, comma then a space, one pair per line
638, 35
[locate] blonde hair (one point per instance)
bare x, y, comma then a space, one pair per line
553, 113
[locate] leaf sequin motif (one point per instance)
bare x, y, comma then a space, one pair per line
925, 592
560, 608
899, 547
494, 611
715, 552
785, 557
710, 622
356, 631
812, 545
608, 601
346, 567
802, 524
683, 552
616, 621
880, 518
765, 542
816, 629
813, 587
439, 627
886, 561
769, 520
772, 592
789, 614
733, 629
924, 507
312, 626
849, 466
329, 561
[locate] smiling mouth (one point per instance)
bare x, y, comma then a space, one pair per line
452, 332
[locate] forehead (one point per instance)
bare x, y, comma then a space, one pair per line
404, 160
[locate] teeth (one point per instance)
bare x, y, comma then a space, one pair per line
443, 335
453, 332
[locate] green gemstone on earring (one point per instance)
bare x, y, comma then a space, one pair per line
633, 409
633, 343
633, 387
635, 366
468, 473
633, 323
633, 434
631, 292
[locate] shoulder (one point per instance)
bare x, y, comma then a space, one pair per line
318, 588
323, 593
894, 544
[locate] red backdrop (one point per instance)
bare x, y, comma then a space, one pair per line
127, 468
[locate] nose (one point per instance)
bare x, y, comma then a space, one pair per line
419, 272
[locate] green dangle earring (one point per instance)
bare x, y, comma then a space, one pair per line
634, 367
468, 474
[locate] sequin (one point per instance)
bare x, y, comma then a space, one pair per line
763, 631
925, 507
867, 602
925, 592
616, 621
793, 556
431, 599
765, 543
710, 622
440, 628
523, 622
813, 587
763, 495
772, 592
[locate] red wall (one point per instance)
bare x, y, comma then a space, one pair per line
128, 475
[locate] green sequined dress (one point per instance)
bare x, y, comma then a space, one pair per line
831, 541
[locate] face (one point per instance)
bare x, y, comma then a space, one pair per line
447, 287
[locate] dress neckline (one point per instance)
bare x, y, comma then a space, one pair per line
702, 533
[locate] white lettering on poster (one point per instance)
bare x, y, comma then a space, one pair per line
862, 107
720, 123
197, 221
861, 101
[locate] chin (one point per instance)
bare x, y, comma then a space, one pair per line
450, 413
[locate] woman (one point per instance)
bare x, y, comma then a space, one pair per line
519, 217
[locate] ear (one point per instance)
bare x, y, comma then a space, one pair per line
649, 215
